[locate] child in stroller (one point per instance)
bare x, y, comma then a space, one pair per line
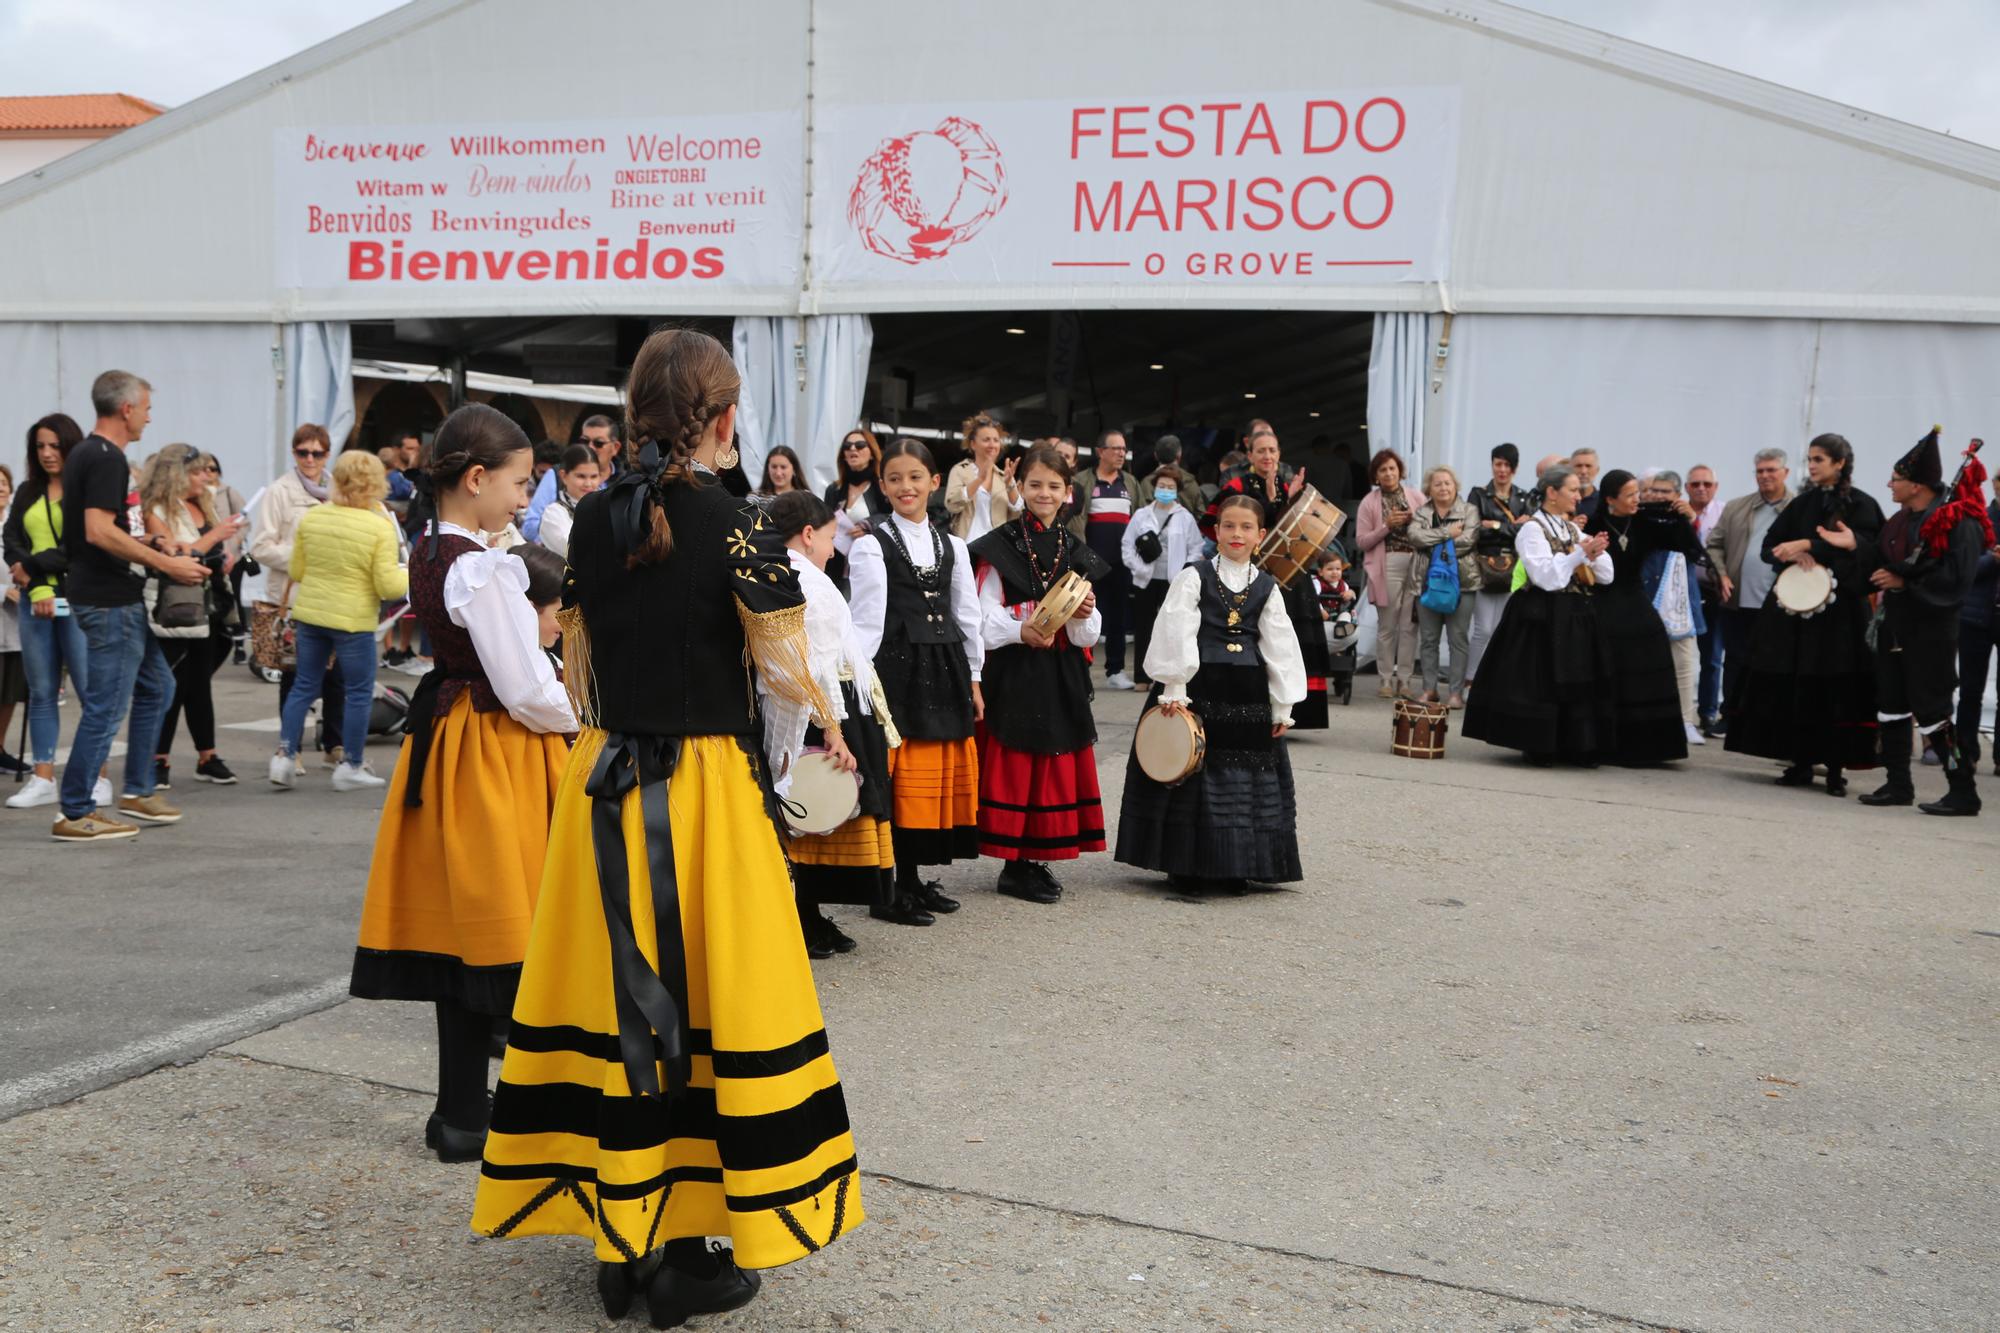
1336, 610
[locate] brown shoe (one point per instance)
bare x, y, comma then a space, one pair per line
92, 828
148, 810
1456, 701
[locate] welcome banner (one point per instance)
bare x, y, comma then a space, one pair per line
709, 201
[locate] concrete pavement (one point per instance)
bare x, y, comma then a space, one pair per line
1528, 1049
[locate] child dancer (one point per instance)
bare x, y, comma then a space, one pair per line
916, 614
1038, 797
458, 855
1224, 649
856, 863
545, 584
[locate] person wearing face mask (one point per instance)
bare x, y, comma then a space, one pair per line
1161, 540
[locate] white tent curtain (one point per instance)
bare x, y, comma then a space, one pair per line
767, 411
837, 351
774, 409
319, 378
1397, 362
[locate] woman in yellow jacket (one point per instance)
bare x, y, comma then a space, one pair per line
344, 561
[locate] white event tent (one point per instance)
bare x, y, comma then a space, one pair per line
1561, 237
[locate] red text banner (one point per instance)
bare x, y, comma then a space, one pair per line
1293, 188
698, 202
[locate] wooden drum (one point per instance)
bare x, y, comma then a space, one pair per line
1059, 607
1305, 532
1169, 746
1419, 728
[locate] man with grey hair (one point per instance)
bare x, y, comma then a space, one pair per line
1735, 547
1583, 460
128, 671
1670, 586
1707, 506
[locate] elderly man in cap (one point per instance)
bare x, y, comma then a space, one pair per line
1922, 562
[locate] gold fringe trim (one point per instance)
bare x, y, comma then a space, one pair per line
776, 643
882, 714
578, 679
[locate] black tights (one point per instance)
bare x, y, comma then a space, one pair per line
463, 1041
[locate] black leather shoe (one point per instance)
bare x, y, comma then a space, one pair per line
1952, 803
1041, 871
1019, 883
453, 1145
1798, 775
677, 1293
930, 896
817, 945
1836, 785
1889, 794
839, 940
904, 912
618, 1283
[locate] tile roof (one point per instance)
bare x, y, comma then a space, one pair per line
75, 111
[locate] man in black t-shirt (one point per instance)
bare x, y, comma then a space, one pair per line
127, 668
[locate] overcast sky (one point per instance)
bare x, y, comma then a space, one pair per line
1929, 62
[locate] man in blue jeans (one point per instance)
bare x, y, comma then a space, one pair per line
127, 668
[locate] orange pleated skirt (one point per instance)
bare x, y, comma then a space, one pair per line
453, 882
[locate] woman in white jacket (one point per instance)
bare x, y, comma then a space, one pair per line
279, 509
1161, 540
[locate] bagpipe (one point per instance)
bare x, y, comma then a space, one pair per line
1965, 502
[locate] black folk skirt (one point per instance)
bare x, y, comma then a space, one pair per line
1644, 689
856, 863
1237, 818
1546, 681
1810, 695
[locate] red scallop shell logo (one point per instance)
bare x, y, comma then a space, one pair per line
920, 194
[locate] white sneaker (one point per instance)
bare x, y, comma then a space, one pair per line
100, 794
1694, 735
39, 791
1118, 680
285, 771
356, 777
416, 666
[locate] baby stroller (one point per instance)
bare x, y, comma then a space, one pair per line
388, 715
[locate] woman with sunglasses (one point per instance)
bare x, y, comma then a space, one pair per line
284, 502
855, 497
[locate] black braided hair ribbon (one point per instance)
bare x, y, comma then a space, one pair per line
632, 490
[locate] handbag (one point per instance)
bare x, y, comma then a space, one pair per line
274, 640
1496, 563
1147, 545
180, 605
1441, 581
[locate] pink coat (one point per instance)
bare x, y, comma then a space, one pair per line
1371, 530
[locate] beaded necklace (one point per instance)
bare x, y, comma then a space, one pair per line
1043, 581
930, 582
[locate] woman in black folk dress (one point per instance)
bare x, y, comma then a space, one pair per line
1644, 689
1810, 695
1224, 649
1545, 684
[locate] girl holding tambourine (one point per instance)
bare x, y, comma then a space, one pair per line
1038, 794
1224, 649
916, 615
855, 863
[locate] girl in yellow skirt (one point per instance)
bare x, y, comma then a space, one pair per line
458, 855
855, 863
667, 1075
917, 615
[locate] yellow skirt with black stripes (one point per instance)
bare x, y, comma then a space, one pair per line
758, 1148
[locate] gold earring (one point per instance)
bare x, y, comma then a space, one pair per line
725, 457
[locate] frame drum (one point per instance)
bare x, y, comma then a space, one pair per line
822, 797
1055, 610
1804, 592
1169, 746
1305, 530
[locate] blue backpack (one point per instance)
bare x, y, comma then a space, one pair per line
1441, 582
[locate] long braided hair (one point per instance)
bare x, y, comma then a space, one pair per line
681, 381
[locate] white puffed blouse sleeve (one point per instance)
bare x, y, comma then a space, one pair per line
868, 592
786, 720
965, 606
1284, 661
1547, 568
1173, 656
486, 594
